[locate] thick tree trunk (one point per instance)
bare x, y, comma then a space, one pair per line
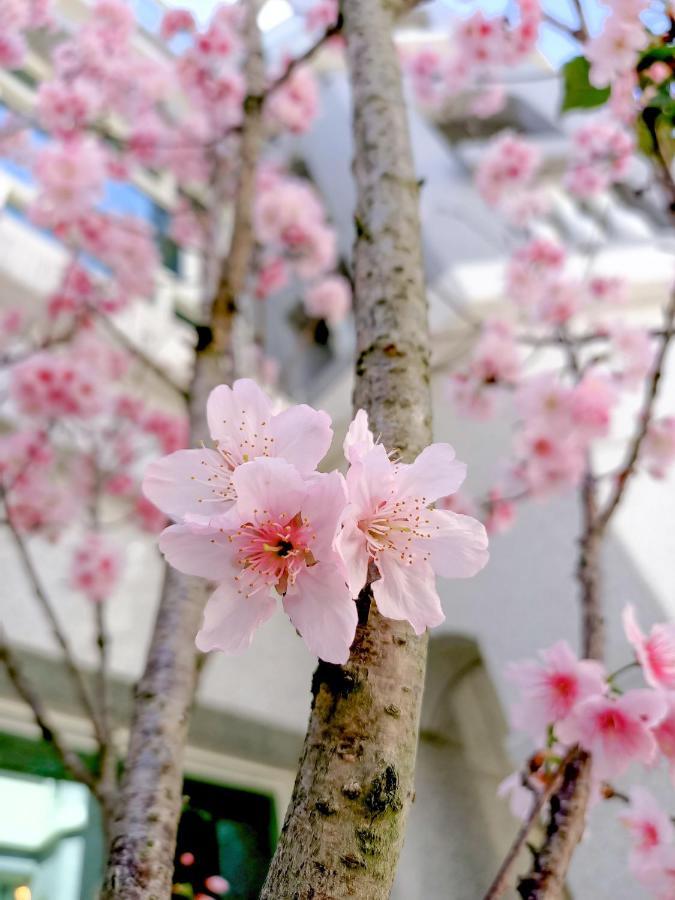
344, 828
140, 863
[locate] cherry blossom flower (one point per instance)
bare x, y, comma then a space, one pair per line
175, 21
272, 276
617, 731
95, 567
665, 734
655, 653
591, 404
658, 447
520, 797
51, 386
613, 51
553, 686
329, 299
295, 104
549, 460
71, 174
650, 828
276, 541
634, 350
387, 522
509, 164
243, 425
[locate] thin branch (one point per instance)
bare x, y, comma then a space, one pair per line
651, 393
500, 882
25, 690
40, 594
124, 341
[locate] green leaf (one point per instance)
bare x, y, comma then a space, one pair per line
579, 92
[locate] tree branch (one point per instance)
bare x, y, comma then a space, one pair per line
140, 861
651, 393
59, 635
500, 883
25, 690
344, 828
124, 341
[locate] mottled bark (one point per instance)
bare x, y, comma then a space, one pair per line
140, 863
344, 828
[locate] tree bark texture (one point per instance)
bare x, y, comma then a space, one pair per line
569, 804
140, 863
344, 828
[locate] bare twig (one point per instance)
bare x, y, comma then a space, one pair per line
646, 413
41, 596
500, 882
25, 690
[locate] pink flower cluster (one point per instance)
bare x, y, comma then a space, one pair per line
255, 516
95, 567
481, 46
290, 222
509, 165
51, 386
565, 702
295, 104
329, 299
602, 150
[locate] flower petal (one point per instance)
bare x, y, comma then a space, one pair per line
302, 436
240, 409
196, 482
268, 486
408, 592
458, 546
320, 606
195, 550
231, 620
435, 473
351, 546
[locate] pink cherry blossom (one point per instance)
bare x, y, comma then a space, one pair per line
658, 447
532, 270
272, 276
63, 108
592, 401
276, 540
617, 731
665, 734
549, 460
501, 513
655, 652
71, 174
175, 21
95, 568
295, 104
545, 399
602, 149
520, 796
650, 828
244, 426
496, 357
51, 386
510, 163
329, 299
553, 686
322, 15
614, 50
634, 350
387, 522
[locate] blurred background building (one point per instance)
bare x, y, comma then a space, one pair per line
251, 714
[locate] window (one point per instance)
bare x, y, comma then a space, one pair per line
51, 844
